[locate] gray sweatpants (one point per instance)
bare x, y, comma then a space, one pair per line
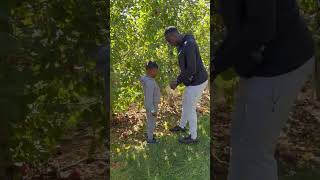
151, 125
262, 109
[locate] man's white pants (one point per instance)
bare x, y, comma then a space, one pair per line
191, 96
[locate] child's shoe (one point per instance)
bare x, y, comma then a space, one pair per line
153, 141
146, 135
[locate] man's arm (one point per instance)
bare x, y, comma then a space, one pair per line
190, 60
259, 28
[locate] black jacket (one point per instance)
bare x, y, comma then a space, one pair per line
264, 38
193, 72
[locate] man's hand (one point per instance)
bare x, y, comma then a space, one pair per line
154, 113
173, 85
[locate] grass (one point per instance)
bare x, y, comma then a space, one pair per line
168, 160
292, 172
303, 175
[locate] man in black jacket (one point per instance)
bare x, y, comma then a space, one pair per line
193, 75
269, 46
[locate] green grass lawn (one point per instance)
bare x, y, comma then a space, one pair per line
168, 160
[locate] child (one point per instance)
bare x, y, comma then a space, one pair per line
151, 99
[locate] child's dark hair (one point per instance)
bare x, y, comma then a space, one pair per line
151, 65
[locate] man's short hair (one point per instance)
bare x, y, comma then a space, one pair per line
170, 29
151, 65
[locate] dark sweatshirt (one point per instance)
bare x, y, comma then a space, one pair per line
193, 72
264, 38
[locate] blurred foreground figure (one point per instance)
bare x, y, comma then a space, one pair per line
102, 56
270, 48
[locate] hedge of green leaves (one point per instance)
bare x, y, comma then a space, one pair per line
137, 29
48, 76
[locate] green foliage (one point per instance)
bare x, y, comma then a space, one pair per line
51, 78
311, 12
137, 29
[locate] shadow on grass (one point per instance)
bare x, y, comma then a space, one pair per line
166, 160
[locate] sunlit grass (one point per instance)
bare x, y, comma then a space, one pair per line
167, 160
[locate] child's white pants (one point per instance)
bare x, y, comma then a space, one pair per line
191, 96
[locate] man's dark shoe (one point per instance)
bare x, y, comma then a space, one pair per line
177, 129
153, 141
188, 140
